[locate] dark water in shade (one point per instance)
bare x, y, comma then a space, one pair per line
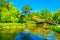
19, 36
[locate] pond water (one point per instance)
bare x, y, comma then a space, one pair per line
51, 36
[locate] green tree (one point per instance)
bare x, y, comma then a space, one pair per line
15, 15
46, 14
26, 9
8, 13
2, 6
33, 14
56, 16
25, 12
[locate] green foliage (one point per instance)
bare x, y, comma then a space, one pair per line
27, 8
56, 16
8, 13
46, 14
54, 28
2, 2
11, 16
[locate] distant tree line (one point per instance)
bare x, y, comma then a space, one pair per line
9, 14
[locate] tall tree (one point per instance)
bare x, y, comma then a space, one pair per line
26, 9
25, 12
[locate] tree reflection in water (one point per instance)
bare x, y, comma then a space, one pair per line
57, 35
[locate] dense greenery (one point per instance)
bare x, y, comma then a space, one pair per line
11, 16
8, 13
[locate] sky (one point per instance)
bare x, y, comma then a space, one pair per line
37, 5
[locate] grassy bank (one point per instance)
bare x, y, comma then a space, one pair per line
54, 28
11, 24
